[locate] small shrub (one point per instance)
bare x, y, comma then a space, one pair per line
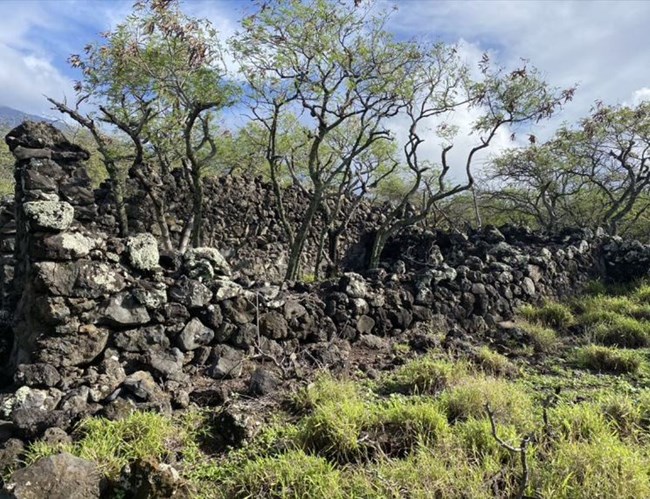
333, 429
113, 444
551, 314
294, 474
400, 425
543, 339
510, 403
580, 422
425, 376
326, 389
494, 363
623, 412
607, 359
475, 437
604, 303
642, 294
595, 288
597, 316
443, 472
584, 470
626, 332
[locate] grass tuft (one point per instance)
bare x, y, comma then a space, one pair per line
427, 375
608, 359
551, 314
543, 339
491, 362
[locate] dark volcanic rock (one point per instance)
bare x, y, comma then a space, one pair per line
61, 476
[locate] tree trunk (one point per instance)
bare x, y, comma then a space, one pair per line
333, 250
301, 237
377, 247
197, 211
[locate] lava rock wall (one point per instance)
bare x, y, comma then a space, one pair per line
103, 325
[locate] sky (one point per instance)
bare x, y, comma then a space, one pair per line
602, 46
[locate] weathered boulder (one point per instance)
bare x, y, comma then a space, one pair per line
124, 310
143, 251
64, 246
228, 362
191, 293
262, 382
205, 264
273, 325
81, 278
144, 479
48, 215
143, 388
61, 476
194, 335
142, 339
73, 349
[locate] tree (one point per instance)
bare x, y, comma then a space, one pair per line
595, 173
336, 68
611, 152
506, 99
534, 184
158, 78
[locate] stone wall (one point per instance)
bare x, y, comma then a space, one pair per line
103, 324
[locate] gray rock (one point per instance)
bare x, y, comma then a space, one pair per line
228, 363
142, 386
123, 310
226, 290
65, 246
141, 340
205, 263
293, 310
143, 251
194, 335
168, 363
372, 342
81, 347
153, 297
10, 454
48, 215
528, 286
273, 325
211, 316
365, 324
147, 478
353, 285
36, 375
262, 382
191, 293
83, 278
61, 476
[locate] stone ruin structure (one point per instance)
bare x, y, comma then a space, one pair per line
96, 324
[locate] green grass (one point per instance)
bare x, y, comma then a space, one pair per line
494, 363
113, 444
421, 430
510, 403
427, 375
551, 314
585, 470
543, 339
608, 359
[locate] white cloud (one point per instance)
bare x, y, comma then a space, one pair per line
594, 44
641, 95
35, 41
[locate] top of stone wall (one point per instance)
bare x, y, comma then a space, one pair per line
29, 139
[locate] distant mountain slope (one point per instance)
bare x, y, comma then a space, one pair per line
10, 117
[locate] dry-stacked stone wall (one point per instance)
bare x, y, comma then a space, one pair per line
103, 324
